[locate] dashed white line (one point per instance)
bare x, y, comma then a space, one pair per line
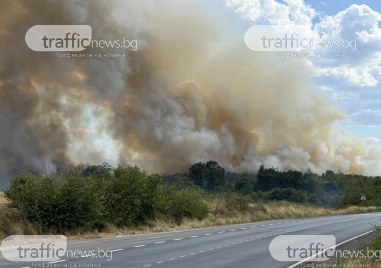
160, 242
171, 259
182, 256
233, 230
193, 253
243, 228
178, 239
147, 265
210, 249
56, 261
208, 234
158, 262
139, 246
202, 251
221, 232
194, 236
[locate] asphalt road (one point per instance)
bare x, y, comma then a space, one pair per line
244, 245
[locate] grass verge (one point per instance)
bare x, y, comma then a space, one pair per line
222, 213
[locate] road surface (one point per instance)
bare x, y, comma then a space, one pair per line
243, 245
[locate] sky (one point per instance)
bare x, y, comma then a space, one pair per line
351, 81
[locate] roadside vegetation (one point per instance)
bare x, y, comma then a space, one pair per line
102, 199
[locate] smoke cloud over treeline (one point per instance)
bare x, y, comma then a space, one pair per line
191, 92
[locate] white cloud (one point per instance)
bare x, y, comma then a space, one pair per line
359, 24
362, 77
273, 12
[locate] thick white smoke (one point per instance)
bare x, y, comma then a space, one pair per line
192, 92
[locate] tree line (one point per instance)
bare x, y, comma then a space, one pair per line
333, 189
89, 197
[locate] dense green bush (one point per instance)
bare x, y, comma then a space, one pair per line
287, 194
125, 196
130, 197
50, 202
185, 203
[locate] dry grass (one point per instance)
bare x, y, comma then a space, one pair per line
224, 216
364, 262
9, 222
2, 199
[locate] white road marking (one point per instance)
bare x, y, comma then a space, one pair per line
139, 246
56, 261
160, 242
194, 236
333, 247
208, 234
178, 239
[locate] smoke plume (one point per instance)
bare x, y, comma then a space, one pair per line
191, 92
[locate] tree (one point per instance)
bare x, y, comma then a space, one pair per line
244, 185
209, 176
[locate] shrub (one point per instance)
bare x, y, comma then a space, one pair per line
186, 203
288, 194
65, 203
130, 197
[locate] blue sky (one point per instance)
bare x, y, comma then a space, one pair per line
352, 82
332, 7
